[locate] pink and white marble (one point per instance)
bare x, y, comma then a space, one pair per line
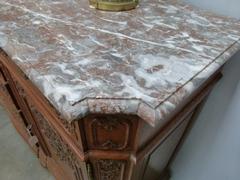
145, 61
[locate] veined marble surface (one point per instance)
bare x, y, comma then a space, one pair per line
146, 61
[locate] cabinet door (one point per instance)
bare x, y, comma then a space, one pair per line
14, 99
11, 104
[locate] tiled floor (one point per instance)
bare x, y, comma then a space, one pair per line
17, 161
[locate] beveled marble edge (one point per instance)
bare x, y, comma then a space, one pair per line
166, 107
151, 115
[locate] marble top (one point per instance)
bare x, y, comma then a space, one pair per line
146, 61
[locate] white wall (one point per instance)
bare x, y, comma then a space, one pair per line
225, 7
212, 149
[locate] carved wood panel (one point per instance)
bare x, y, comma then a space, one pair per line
110, 132
60, 149
106, 169
105, 131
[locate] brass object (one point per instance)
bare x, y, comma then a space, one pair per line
114, 5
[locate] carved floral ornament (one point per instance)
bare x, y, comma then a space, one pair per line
110, 169
108, 124
105, 133
61, 149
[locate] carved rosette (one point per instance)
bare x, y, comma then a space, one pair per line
106, 169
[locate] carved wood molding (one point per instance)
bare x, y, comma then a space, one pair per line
6, 101
20, 90
70, 127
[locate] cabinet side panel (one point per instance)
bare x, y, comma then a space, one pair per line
158, 160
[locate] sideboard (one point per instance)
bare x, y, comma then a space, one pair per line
109, 96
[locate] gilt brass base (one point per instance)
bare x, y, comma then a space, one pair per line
113, 6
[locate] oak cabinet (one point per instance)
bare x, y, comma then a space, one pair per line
103, 96
98, 146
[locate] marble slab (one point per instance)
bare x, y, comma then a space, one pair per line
146, 61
